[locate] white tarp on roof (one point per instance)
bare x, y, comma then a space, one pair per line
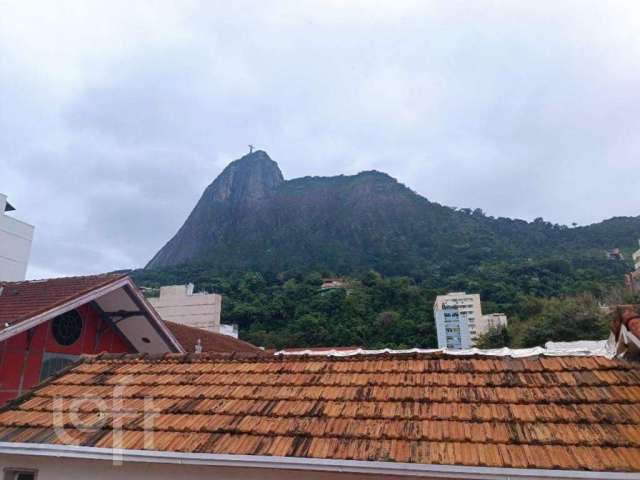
599, 348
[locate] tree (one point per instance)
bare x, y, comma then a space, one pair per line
564, 320
496, 337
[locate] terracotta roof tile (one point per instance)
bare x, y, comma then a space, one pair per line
20, 301
211, 342
561, 413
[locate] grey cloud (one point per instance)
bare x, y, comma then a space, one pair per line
522, 109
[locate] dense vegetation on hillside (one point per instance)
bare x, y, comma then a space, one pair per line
397, 249
545, 300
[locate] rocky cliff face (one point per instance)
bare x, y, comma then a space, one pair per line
244, 186
245, 182
251, 218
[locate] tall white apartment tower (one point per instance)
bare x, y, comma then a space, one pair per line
457, 317
15, 244
459, 320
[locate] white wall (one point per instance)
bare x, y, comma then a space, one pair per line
15, 245
178, 303
493, 320
71, 469
231, 330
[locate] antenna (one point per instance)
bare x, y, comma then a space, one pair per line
251, 147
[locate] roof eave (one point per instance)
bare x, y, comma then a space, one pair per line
154, 317
124, 281
36, 320
312, 464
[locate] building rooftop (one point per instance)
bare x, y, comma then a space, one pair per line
210, 342
20, 301
558, 413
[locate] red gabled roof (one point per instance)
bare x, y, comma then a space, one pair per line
211, 342
20, 301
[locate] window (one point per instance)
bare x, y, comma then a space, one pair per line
20, 474
52, 363
66, 328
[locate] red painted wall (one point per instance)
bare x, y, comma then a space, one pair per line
20, 363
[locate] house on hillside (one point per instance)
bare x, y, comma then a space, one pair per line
332, 284
614, 254
45, 325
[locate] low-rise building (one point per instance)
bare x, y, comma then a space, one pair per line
614, 254
179, 304
15, 244
332, 283
493, 320
46, 325
636, 258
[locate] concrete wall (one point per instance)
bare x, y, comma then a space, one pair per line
71, 469
231, 330
178, 303
15, 245
493, 320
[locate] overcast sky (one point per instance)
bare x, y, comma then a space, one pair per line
114, 116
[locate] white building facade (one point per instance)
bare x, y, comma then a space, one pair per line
459, 320
15, 244
492, 320
178, 304
636, 258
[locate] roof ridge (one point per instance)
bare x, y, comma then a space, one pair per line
71, 277
191, 357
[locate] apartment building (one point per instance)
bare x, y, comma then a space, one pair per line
456, 315
15, 244
493, 320
178, 303
459, 320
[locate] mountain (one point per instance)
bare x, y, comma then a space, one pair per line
251, 218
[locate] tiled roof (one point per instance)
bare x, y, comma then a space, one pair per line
315, 350
21, 301
629, 316
211, 342
568, 413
